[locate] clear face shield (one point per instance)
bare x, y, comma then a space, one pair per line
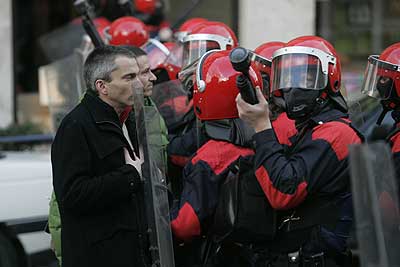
175, 55
300, 67
186, 77
156, 52
298, 71
196, 45
304, 69
378, 82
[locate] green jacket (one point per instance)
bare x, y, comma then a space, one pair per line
55, 226
157, 134
157, 139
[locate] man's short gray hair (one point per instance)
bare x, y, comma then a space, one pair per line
101, 62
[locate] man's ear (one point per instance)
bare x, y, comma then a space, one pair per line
101, 87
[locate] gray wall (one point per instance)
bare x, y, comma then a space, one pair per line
219, 10
6, 67
261, 21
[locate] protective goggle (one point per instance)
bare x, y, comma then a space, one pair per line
300, 67
156, 52
196, 45
379, 78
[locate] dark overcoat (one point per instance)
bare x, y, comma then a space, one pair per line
101, 215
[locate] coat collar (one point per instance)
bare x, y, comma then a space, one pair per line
329, 115
100, 110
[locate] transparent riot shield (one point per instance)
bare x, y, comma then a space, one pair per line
172, 101
61, 42
150, 137
61, 86
376, 204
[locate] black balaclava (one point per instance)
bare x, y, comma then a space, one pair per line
301, 103
387, 90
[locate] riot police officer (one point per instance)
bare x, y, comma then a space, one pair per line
308, 182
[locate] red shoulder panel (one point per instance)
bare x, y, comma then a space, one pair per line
284, 128
339, 135
396, 143
220, 154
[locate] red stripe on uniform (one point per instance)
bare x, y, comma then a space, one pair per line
277, 199
179, 160
220, 154
338, 135
186, 226
396, 143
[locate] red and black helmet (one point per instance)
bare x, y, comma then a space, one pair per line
266, 51
165, 59
382, 77
187, 27
205, 37
146, 6
128, 31
307, 62
215, 87
102, 25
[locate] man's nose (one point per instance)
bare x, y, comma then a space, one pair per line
153, 77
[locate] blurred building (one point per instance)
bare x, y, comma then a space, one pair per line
357, 28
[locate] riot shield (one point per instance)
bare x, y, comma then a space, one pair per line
172, 101
61, 42
376, 205
61, 86
148, 125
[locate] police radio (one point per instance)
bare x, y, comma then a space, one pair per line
84, 9
240, 60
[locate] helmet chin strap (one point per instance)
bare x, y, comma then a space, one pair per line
382, 116
396, 115
321, 102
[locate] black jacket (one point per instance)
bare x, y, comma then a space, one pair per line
100, 213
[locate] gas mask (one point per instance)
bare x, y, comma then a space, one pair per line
300, 102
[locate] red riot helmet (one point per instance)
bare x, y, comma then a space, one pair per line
101, 24
382, 76
310, 65
187, 27
156, 51
382, 80
310, 54
128, 31
164, 58
265, 52
205, 37
215, 87
146, 6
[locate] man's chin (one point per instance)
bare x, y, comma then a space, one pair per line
148, 92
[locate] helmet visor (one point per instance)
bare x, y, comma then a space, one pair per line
377, 79
194, 49
156, 52
298, 71
175, 55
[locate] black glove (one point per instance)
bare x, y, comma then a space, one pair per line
135, 182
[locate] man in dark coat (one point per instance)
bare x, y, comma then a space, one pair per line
96, 173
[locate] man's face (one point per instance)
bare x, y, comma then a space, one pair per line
145, 75
124, 80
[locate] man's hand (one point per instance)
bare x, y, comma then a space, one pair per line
137, 162
135, 170
257, 116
